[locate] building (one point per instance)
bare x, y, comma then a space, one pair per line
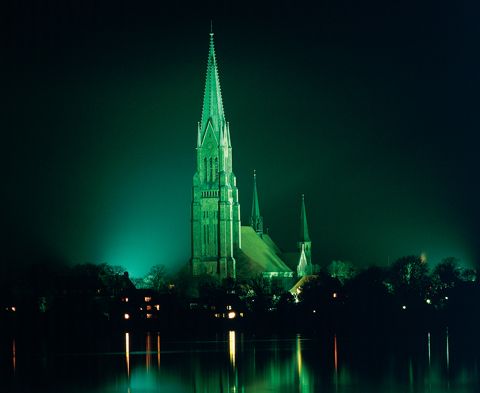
221, 246
215, 207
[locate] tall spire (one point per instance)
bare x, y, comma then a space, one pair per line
256, 220
304, 237
212, 99
216, 224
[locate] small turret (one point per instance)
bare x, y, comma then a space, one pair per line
256, 220
304, 244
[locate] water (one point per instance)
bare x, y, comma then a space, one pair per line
235, 362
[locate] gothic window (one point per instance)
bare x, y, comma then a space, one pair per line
216, 166
204, 239
206, 169
215, 235
211, 169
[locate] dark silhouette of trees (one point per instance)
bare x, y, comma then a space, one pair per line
410, 279
447, 274
156, 278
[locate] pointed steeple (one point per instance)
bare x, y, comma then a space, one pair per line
216, 224
304, 237
256, 220
212, 99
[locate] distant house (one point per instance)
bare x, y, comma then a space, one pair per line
139, 305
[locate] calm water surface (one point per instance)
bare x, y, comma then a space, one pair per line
234, 362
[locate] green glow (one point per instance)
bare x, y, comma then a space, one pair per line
102, 140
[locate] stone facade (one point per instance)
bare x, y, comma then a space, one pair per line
215, 207
216, 229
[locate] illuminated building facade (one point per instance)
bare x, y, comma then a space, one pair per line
215, 207
220, 245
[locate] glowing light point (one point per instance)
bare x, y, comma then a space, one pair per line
126, 316
404, 307
334, 295
231, 315
428, 301
423, 257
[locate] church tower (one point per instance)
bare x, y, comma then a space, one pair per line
304, 244
215, 207
256, 220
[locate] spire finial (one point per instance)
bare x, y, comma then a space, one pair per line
254, 173
211, 28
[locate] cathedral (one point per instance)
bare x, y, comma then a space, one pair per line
221, 246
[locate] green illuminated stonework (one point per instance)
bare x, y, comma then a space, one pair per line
256, 220
304, 245
215, 207
221, 247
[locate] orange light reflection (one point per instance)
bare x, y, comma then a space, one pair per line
14, 356
335, 353
158, 350
148, 351
127, 353
231, 345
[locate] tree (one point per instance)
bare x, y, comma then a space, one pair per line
447, 273
319, 291
343, 271
409, 278
156, 278
468, 275
259, 296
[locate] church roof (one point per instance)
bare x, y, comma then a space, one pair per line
257, 256
270, 243
212, 99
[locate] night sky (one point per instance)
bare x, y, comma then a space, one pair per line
368, 108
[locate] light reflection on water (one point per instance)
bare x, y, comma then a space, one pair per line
158, 349
14, 356
231, 347
148, 351
335, 362
127, 353
233, 363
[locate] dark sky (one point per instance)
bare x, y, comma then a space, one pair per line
369, 108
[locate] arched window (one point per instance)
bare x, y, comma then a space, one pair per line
206, 169
211, 169
204, 250
216, 167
